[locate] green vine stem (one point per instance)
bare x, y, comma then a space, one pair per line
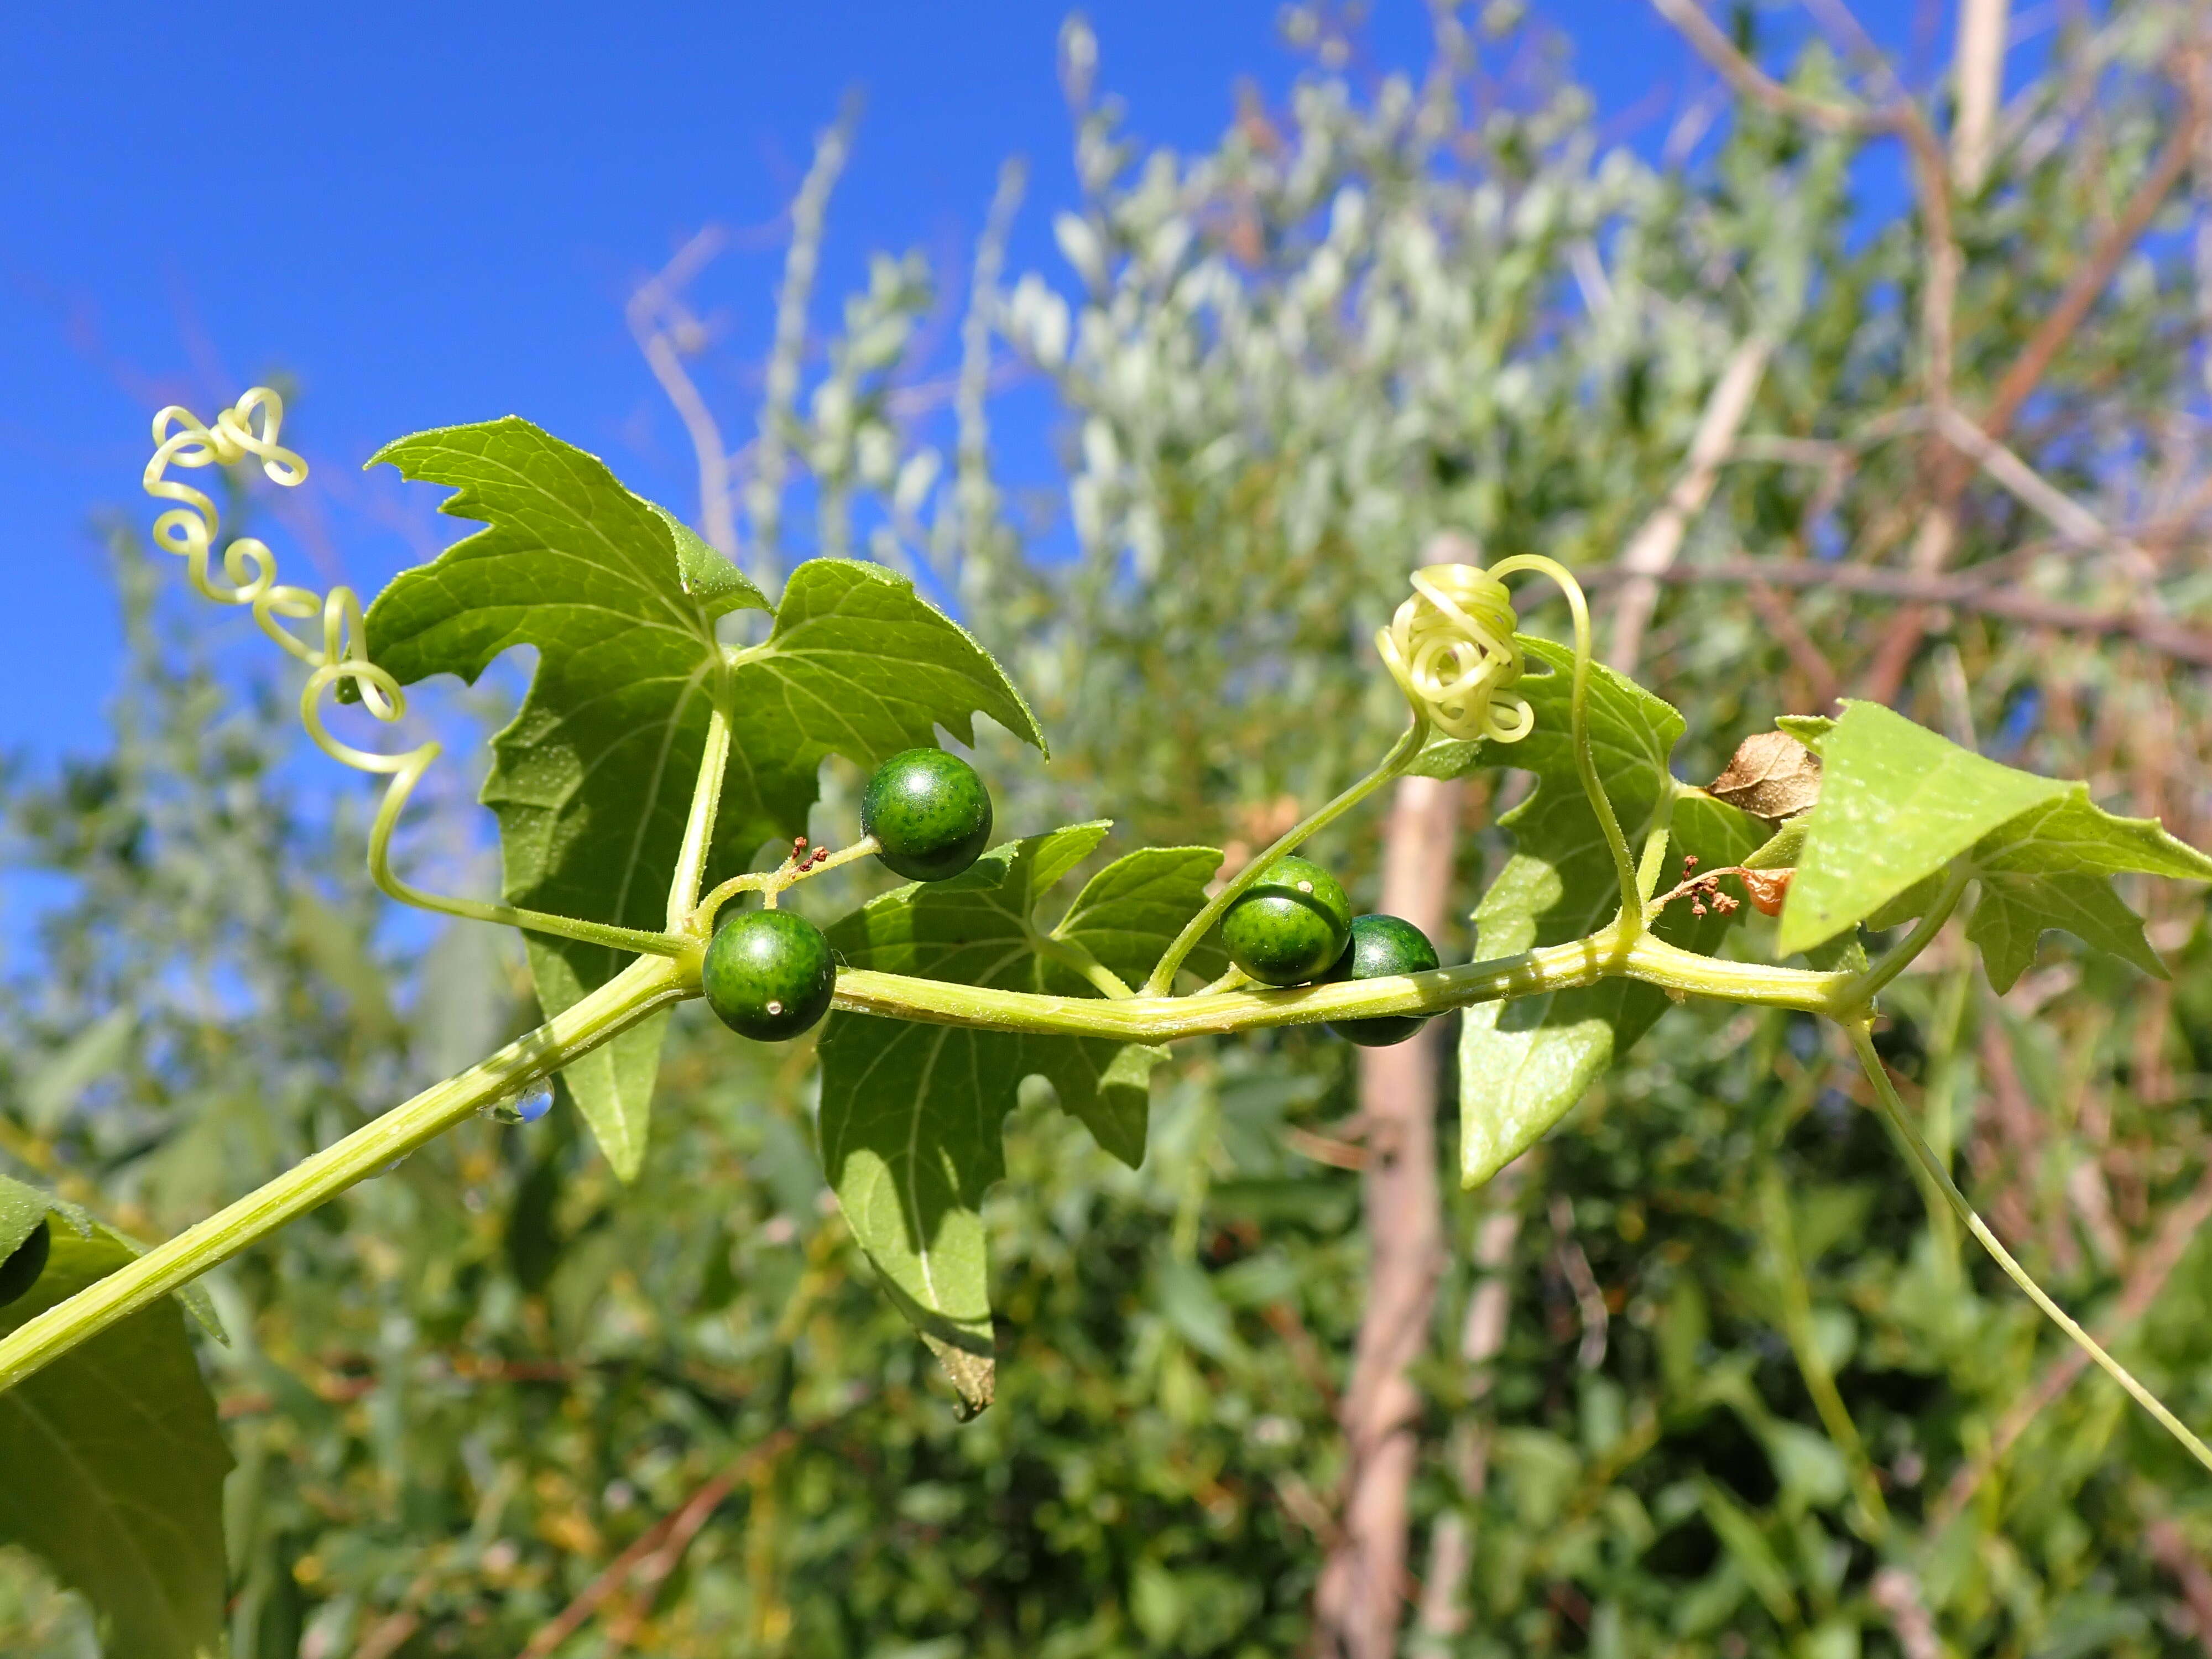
1630, 922
405, 771
647, 985
1071, 955
653, 983
699, 823
1900, 1122
1451, 651
1150, 1018
1796, 1298
1895, 960
770, 884
1400, 757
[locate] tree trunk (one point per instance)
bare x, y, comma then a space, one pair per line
1364, 1583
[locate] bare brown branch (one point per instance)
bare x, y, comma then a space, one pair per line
616, 1575
2162, 634
666, 332
2171, 1548
1360, 1600
1750, 81
1653, 547
2028, 369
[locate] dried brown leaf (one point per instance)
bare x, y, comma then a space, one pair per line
1771, 776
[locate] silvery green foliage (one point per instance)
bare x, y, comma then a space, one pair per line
1293, 362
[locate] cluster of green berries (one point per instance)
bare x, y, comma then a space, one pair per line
768, 975
1294, 925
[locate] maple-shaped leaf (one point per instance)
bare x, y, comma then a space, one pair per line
1523, 1064
1900, 805
911, 1114
1897, 802
2051, 867
592, 780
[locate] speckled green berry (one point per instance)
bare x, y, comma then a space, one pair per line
1380, 946
1290, 925
24, 1264
929, 812
768, 975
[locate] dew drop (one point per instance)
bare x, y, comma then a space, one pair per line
776, 1007
523, 1106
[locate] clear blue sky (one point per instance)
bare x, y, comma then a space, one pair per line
433, 214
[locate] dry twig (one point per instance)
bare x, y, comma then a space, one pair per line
2159, 632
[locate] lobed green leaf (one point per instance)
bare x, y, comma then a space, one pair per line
2051, 868
1897, 802
1523, 1064
911, 1114
1900, 804
592, 780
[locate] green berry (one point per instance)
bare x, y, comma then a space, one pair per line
1382, 946
768, 975
929, 812
24, 1263
1290, 925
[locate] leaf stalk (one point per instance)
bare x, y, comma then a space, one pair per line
1388, 768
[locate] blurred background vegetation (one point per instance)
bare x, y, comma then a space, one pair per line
1703, 1377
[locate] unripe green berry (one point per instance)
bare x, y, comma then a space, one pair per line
929, 812
1290, 925
1382, 946
768, 975
24, 1263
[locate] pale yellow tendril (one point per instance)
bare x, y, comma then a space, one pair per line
1451, 649
248, 430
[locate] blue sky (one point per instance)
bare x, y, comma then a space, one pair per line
430, 214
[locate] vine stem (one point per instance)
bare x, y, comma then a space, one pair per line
770, 884
699, 823
1861, 1035
1150, 1018
1400, 757
406, 771
649, 984
1895, 961
1629, 924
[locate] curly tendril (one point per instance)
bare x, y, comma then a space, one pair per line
248, 431
1451, 649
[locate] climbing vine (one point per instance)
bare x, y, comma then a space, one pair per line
653, 758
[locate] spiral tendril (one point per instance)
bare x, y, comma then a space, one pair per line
248, 431
1451, 649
